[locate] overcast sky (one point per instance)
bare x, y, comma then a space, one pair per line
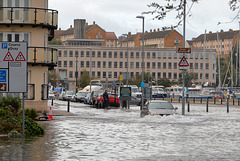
119, 16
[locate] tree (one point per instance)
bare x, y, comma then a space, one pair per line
55, 42
52, 77
84, 79
187, 78
164, 81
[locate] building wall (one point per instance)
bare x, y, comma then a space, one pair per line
93, 34
169, 41
168, 60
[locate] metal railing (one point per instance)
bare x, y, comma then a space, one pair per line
42, 55
29, 16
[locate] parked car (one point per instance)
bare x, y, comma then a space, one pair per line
51, 95
93, 97
158, 107
87, 98
112, 97
99, 100
79, 97
68, 95
61, 95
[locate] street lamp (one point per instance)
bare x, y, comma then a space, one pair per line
127, 58
142, 17
90, 55
76, 74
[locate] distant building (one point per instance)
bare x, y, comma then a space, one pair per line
223, 44
82, 30
157, 39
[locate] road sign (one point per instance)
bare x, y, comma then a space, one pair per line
184, 50
13, 67
183, 62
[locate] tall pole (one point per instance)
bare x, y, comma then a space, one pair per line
236, 64
231, 66
90, 54
127, 61
183, 77
204, 50
76, 74
142, 100
239, 51
219, 70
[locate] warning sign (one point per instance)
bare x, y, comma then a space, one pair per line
20, 57
8, 57
183, 62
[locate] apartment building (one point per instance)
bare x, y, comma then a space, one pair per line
110, 62
93, 31
222, 41
155, 38
31, 21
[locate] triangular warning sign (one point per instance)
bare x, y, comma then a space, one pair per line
8, 57
20, 57
183, 62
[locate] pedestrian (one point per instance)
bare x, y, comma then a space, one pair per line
106, 99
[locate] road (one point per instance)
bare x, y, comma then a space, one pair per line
120, 134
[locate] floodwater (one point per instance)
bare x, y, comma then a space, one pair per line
121, 135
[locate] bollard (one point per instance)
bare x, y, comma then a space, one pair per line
214, 100
171, 99
179, 99
188, 106
52, 101
227, 105
68, 106
233, 101
221, 101
201, 100
194, 99
207, 105
238, 101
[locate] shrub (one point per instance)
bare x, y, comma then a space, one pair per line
11, 103
31, 113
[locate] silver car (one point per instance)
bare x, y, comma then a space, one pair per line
68, 95
156, 107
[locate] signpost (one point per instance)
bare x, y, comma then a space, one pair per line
13, 70
184, 50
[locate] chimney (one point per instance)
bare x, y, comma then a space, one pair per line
79, 28
210, 32
158, 30
150, 30
60, 29
129, 34
154, 30
93, 22
86, 24
230, 30
70, 26
221, 31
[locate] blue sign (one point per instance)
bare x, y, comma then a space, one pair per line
187, 90
142, 84
4, 45
114, 84
3, 76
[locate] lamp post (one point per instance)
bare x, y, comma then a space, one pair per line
127, 58
90, 55
76, 74
142, 100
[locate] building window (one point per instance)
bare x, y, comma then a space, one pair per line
115, 54
137, 64
104, 54
164, 65
148, 55
82, 53
164, 55
169, 55
87, 64
196, 65
115, 74
191, 56
175, 65
201, 65
191, 65
153, 65
169, 65
153, 75
115, 64
169, 75
93, 64
65, 64
109, 64
207, 76
175, 55
148, 65
87, 54
126, 64
174, 75
196, 55
76, 54
131, 74
98, 64
59, 63
99, 54
132, 54
195, 75
121, 54
104, 74
158, 75
109, 54
82, 64
93, 54
99, 74
131, 64
70, 63
164, 75
120, 64
65, 53
104, 64
109, 74
154, 55
60, 53
93, 74
207, 56
70, 74
70, 53
159, 65
159, 55
201, 56
126, 54
137, 54
207, 65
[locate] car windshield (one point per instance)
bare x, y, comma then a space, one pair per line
135, 90
160, 105
69, 92
81, 94
112, 95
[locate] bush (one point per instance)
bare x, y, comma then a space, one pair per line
11, 103
31, 113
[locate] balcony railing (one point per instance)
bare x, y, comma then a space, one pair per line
29, 16
42, 55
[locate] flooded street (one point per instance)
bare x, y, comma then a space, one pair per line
119, 134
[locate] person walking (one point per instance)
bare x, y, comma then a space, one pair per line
106, 99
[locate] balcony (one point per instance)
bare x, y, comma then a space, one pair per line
44, 56
36, 17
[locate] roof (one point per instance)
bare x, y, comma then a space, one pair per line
158, 34
213, 36
131, 37
111, 36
